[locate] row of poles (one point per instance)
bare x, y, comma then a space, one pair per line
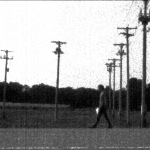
144, 18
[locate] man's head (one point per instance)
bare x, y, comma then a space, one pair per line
101, 88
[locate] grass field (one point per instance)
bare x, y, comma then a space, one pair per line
20, 116
34, 127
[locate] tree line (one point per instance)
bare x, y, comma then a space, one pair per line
75, 98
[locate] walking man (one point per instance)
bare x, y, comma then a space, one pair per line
102, 107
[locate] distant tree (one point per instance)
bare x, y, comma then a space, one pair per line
107, 89
123, 98
45, 94
26, 94
117, 99
42, 94
66, 96
25, 88
93, 97
80, 96
124, 101
135, 93
1, 90
14, 92
148, 97
86, 97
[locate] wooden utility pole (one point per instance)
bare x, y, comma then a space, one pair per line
109, 69
127, 35
114, 67
121, 53
5, 80
144, 18
58, 51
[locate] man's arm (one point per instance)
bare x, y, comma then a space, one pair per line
101, 100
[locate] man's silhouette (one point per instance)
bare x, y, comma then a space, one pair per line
102, 107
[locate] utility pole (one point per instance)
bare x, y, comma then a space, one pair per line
114, 67
127, 35
109, 69
121, 53
144, 18
5, 79
58, 51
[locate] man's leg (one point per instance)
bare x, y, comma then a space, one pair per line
98, 118
106, 117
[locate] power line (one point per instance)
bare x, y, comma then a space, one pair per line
127, 14
129, 10
133, 5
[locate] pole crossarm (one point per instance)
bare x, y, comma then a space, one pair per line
109, 67
144, 18
121, 51
126, 33
127, 28
6, 56
59, 43
121, 45
58, 49
114, 60
7, 51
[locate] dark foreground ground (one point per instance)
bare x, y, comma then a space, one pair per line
36, 128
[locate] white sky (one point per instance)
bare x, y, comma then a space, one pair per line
88, 27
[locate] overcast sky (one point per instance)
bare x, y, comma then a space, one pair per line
88, 27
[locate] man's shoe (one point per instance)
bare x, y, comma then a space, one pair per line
94, 126
110, 126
